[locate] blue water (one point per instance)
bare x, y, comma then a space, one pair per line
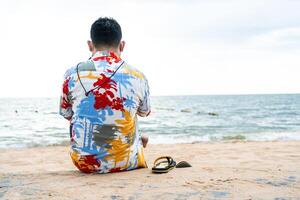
174, 119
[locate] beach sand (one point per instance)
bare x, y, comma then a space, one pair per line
229, 170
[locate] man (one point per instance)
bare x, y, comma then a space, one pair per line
102, 98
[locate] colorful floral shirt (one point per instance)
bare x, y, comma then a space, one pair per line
102, 107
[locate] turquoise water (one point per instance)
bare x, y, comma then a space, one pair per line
174, 119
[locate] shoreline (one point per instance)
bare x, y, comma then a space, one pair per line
66, 143
220, 170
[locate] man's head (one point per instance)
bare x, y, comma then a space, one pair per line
106, 34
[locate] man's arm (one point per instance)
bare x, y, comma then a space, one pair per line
144, 108
65, 108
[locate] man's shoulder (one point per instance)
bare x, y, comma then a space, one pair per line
133, 71
81, 66
69, 72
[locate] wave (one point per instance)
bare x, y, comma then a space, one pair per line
269, 136
189, 110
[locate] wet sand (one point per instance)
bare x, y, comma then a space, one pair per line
231, 170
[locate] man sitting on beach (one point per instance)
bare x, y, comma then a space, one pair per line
102, 98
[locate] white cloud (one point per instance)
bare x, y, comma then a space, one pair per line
287, 38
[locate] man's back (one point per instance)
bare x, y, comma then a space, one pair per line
102, 98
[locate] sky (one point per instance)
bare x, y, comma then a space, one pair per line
183, 47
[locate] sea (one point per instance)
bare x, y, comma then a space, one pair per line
28, 122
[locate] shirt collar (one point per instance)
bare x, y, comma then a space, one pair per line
108, 56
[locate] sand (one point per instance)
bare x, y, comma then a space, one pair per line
231, 170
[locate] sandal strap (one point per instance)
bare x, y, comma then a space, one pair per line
168, 158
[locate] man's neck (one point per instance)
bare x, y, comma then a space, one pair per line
109, 49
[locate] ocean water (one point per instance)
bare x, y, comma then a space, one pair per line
174, 119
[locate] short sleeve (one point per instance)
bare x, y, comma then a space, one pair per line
65, 108
144, 108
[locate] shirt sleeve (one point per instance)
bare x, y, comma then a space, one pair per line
144, 108
65, 108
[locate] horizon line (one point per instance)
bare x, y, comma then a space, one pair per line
170, 95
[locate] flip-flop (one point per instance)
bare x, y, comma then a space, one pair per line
163, 166
183, 164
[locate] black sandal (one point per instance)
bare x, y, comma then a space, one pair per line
164, 166
183, 164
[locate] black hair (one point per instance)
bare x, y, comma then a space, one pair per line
106, 31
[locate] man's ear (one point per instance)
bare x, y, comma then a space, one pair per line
122, 46
91, 46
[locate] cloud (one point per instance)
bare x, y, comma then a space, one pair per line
280, 39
